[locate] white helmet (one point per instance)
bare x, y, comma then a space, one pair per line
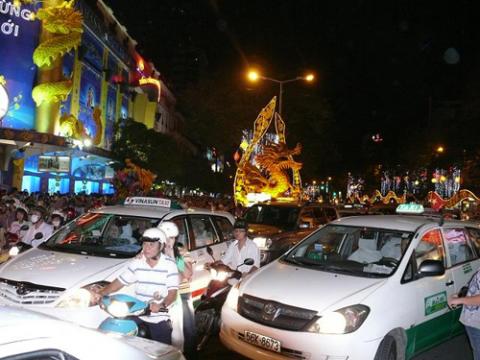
154, 234
59, 213
169, 228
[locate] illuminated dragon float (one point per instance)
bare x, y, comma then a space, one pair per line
272, 172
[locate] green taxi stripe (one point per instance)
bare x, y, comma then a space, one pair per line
426, 335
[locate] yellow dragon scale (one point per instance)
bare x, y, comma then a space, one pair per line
50, 49
51, 92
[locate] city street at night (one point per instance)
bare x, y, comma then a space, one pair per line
254, 179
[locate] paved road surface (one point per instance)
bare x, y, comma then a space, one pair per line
455, 349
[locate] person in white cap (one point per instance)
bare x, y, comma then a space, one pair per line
156, 278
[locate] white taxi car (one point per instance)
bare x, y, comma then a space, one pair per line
360, 288
93, 249
28, 335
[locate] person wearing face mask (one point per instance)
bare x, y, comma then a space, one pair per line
37, 216
57, 219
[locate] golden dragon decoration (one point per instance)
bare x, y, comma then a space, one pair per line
64, 23
70, 126
270, 174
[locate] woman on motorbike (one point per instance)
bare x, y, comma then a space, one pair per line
186, 329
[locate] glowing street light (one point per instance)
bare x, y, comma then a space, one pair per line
254, 75
310, 77
440, 149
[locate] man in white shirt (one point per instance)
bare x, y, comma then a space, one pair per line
242, 248
156, 280
39, 226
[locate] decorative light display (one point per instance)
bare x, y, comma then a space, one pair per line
154, 82
133, 180
266, 166
438, 202
64, 24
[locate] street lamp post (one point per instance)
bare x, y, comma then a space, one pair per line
254, 76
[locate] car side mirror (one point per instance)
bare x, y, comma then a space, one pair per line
431, 268
24, 227
248, 261
38, 236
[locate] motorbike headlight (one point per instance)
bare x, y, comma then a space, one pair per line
14, 251
232, 297
262, 242
118, 309
81, 298
342, 321
219, 275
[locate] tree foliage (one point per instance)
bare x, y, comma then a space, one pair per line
159, 153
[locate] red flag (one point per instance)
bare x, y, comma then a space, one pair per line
436, 201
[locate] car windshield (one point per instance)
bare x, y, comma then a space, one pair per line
283, 217
358, 251
105, 235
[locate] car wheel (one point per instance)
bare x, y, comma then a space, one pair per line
387, 349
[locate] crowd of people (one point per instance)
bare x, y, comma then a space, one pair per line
18, 209
23, 214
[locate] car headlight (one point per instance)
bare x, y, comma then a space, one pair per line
262, 242
342, 321
81, 298
232, 297
219, 275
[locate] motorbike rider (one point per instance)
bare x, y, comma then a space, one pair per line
242, 248
186, 329
156, 277
37, 218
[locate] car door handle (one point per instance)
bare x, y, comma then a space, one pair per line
449, 283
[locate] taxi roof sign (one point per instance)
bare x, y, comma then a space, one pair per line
410, 208
148, 201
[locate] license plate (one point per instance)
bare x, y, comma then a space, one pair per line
262, 341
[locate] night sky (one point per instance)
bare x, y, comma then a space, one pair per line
405, 69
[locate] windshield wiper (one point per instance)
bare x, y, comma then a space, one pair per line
293, 260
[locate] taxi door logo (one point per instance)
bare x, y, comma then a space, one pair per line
435, 303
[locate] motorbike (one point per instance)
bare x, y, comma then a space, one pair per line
122, 308
208, 311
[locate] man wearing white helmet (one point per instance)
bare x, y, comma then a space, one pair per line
184, 331
156, 278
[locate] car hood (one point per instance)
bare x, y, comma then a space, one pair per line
255, 230
307, 288
58, 269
